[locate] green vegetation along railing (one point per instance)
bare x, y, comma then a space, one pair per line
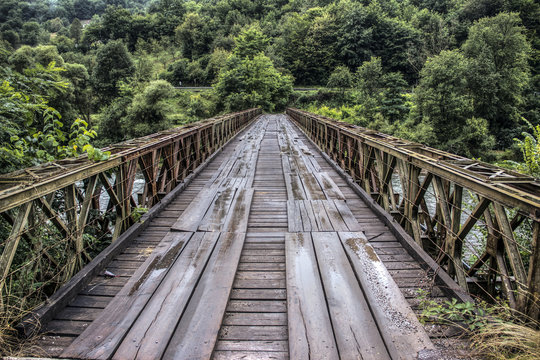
58, 216
478, 221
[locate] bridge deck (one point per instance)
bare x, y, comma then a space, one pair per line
266, 254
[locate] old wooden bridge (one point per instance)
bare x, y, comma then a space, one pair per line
267, 237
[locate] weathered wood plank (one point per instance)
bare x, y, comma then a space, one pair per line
197, 331
329, 187
310, 330
237, 218
355, 329
193, 215
253, 333
267, 346
250, 355
156, 323
348, 217
232, 318
258, 294
403, 334
335, 216
293, 214
103, 335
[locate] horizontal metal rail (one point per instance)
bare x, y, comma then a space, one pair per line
439, 198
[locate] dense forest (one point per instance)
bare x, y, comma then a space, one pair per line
459, 75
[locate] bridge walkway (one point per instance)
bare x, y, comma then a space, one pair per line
268, 253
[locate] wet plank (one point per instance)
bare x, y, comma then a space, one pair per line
156, 323
355, 329
403, 334
245, 319
253, 333
197, 331
310, 330
103, 335
235, 345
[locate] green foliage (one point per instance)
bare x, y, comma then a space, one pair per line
75, 30
138, 212
246, 83
499, 72
451, 312
31, 130
250, 43
530, 148
148, 112
340, 78
113, 64
193, 35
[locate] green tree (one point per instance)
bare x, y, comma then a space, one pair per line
113, 64
22, 58
30, 33
442, 95
193, 35
341, 78
148, 112
216, 62
75, 30
250, 42
393, 105
45, 54
499, 73
31, 131
246, 83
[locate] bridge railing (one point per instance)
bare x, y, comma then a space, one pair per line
57, 216
478, 221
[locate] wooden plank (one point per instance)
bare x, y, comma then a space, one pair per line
267, 346
197, 331
257, 306
237, 218
103, 335
98, 302
293, 214
245, 319
157, 321
260, 275
215, 216
78, 313
306, 221
263, 258
334, 215
357, 335
403, 334
261, 266
329, 187
258, 294
250, 355
348, 217
252, 333
310, 214
195, 212
66, 327
260, 284
310, 330
323, 221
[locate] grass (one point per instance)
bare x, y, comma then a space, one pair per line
494, 330
506, 340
